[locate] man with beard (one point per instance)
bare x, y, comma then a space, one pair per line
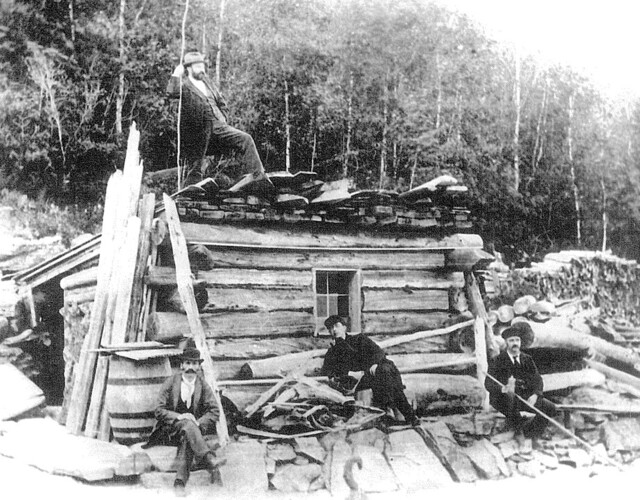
186, 412
356, 356
204, 129
518, 374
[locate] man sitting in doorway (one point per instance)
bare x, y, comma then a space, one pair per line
186, 412
359, 357
518, 374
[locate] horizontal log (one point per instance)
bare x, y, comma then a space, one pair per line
617, 375
564, 380
236, 278
406, 363
80, 295
402, 322
210, 234
555, 334
405, 300
336, 258
234, 299
87, 277
467, 259
170, 325
380, 279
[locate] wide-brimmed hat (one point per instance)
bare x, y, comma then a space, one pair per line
191, 354
192, 58
520, 329
331, 321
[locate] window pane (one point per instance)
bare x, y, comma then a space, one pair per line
343, 305
333, 305
321, 282
321, 306
339, 283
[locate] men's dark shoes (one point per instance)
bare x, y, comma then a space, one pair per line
179, 488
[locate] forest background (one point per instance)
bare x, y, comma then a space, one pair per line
389, 93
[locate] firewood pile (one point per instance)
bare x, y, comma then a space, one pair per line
437, 204
600, 279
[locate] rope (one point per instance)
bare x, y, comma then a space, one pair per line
566, 432
182, 48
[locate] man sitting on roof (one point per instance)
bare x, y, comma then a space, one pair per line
359, 357
203, 124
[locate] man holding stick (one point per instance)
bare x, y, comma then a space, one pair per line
357, 357
518, 375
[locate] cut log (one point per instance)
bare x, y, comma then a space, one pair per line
564, 380
406, 300
467, 259
81, 279
618, 375
554, 334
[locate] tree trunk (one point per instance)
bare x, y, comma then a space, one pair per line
385, 132
220, 34
438, 93
576, 194
516, 128
540, 129
120, 96
72, 23
287, 127
347, 152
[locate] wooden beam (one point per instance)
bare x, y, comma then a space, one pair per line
185, 287
476, 304
211, 234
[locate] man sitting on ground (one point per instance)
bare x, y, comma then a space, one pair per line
359, 357
518, 374
186, 412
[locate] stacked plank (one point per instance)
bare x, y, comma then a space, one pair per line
601, 279
117, 297
432, 206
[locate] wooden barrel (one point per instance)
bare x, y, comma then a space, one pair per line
133, 388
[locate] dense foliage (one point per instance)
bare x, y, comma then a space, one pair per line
389, 93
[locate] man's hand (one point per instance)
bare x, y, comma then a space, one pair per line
373, 369
510, 386
179, 71
356, 375
533, 399
186, 416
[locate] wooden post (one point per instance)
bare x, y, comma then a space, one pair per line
139, 289
477, 308
185, 288
482, 365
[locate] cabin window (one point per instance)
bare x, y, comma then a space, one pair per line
337, 292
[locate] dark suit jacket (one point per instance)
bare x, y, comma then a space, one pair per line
528, 379
204, 406
195, 107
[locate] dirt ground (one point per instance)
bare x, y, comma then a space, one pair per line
25, 482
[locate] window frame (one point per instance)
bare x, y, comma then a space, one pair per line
355, 299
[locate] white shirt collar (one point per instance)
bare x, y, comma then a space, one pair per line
186, 391
513, 358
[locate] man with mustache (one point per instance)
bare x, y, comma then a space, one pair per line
203, 125
186, 412
519, 375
